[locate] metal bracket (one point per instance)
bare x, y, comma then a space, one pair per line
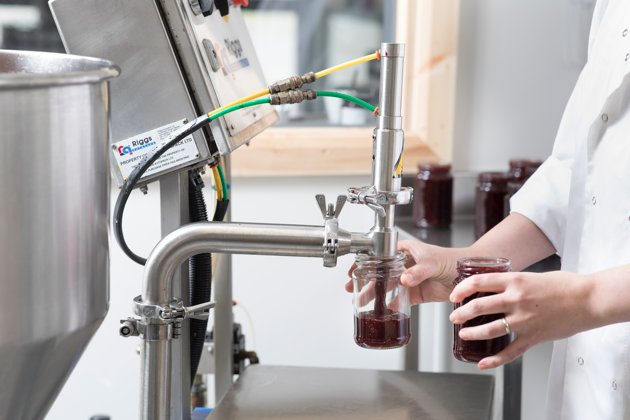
330, 213
377, 200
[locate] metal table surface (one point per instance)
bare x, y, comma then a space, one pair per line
274, 392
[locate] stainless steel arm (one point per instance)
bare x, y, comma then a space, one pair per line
236, 238
196, 238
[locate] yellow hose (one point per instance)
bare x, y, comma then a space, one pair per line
347, 64
217, 183
239, 101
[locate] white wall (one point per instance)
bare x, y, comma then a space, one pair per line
518, 62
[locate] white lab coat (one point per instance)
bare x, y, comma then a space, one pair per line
580, 198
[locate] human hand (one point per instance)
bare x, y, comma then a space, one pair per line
430, 271
537, 307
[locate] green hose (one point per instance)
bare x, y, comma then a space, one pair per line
347, 97
224, 185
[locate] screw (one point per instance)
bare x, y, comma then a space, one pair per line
232, 126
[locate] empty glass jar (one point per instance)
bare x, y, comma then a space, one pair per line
381, 302
475, 350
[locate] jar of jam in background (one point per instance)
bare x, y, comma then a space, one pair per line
475, 350
433, 195
381, 302
520, 171
489, 201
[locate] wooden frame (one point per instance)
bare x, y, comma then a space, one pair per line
429, 28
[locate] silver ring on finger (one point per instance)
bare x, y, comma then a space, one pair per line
506, 325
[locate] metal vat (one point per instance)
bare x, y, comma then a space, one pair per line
54, 201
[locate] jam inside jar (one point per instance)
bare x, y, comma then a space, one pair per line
475, 350
381, 302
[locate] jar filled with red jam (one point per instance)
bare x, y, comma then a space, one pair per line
490, 201
433, 196
475, 350
520, 171
381, 302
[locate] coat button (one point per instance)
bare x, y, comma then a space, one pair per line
624, 32
614, 385
580, 361
593, 200
605, 117
627, 56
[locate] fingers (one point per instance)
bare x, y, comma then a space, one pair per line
487, 331
515, 349
494, 282
418, 273
486, 305
348, 285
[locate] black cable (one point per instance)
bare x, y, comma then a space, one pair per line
135, 176
199, 273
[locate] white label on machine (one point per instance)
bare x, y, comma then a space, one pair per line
130, 152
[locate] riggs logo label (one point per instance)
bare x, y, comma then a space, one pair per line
234, 47
135, 146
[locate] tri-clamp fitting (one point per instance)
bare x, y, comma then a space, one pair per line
158, 322
331, 213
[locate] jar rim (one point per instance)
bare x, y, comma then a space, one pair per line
483, 262
364, 257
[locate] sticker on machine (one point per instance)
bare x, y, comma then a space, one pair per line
130, 152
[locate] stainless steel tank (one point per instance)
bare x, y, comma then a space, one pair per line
54, 201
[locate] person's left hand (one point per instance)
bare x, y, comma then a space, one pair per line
537, 307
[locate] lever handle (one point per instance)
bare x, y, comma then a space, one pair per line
329, 210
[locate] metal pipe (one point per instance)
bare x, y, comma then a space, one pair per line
388, 145
235, 238
203, 237
155, 398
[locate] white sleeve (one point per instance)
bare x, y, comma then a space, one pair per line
544, 199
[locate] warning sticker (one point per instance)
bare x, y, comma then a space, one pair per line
130, 152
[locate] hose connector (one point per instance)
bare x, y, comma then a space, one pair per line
291, 83
292, 97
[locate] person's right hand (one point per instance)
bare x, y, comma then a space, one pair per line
430, 271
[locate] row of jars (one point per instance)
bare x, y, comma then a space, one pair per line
433, 194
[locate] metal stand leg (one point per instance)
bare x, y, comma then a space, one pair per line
174, 213
512, 389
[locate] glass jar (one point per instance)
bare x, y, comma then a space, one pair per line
475, 350
433, 196
489, 201
381, 302
520, 171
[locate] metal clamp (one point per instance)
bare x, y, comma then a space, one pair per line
133, 327
377, 200
330, 213
177, 311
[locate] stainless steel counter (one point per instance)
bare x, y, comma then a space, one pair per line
273, 392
